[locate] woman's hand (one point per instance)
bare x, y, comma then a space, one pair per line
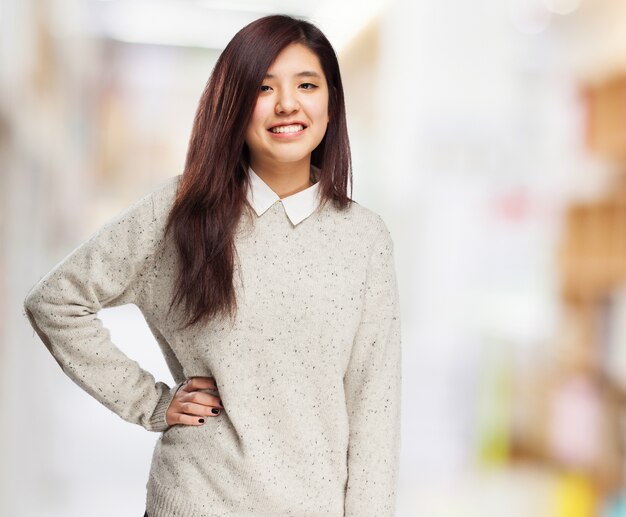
189, 405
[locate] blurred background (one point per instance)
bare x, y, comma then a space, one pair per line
490, 136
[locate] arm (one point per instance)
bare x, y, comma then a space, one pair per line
372, 385
111, 268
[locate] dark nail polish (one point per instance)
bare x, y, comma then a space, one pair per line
215, 411
220, 402
201, 420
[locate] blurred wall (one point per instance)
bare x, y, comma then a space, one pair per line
469, 137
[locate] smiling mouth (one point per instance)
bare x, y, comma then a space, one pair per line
294, 128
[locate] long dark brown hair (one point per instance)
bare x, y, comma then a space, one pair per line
211, 195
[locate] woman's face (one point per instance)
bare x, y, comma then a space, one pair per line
291, 112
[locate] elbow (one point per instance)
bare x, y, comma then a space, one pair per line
32, 301
32, 309
30, 306
29, 303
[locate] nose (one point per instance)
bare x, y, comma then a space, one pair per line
286, 103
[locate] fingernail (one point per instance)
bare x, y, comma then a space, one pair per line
215, 411
201, 420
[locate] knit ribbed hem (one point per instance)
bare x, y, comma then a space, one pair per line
163, 502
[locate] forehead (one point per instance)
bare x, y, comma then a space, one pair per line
294, 59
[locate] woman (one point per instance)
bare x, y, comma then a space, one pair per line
271, 293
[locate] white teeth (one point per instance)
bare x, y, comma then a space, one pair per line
287, 129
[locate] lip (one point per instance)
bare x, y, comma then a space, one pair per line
287, 136
288, 124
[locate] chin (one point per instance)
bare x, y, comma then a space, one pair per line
291, 158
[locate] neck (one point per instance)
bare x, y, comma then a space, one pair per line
284, 178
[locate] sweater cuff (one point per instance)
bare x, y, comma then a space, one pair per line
157, 421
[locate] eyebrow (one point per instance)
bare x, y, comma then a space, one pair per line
305, 73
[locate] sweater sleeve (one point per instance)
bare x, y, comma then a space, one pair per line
111, 268
372, 385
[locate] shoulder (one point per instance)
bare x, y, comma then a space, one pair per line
164, 194
148, 207
366, 216
358, 220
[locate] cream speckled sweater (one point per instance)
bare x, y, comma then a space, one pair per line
309, 374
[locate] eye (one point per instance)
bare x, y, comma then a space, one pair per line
311, 85
264, 86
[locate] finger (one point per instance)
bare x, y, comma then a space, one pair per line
203, 398
189, 419
193, 409
200, 383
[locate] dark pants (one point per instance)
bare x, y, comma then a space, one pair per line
145, 514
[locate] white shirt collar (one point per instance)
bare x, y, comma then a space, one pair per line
298, 206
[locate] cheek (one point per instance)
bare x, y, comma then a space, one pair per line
320, 112
257, 121
262, 110
320, 115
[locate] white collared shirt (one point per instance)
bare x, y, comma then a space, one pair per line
298, 206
